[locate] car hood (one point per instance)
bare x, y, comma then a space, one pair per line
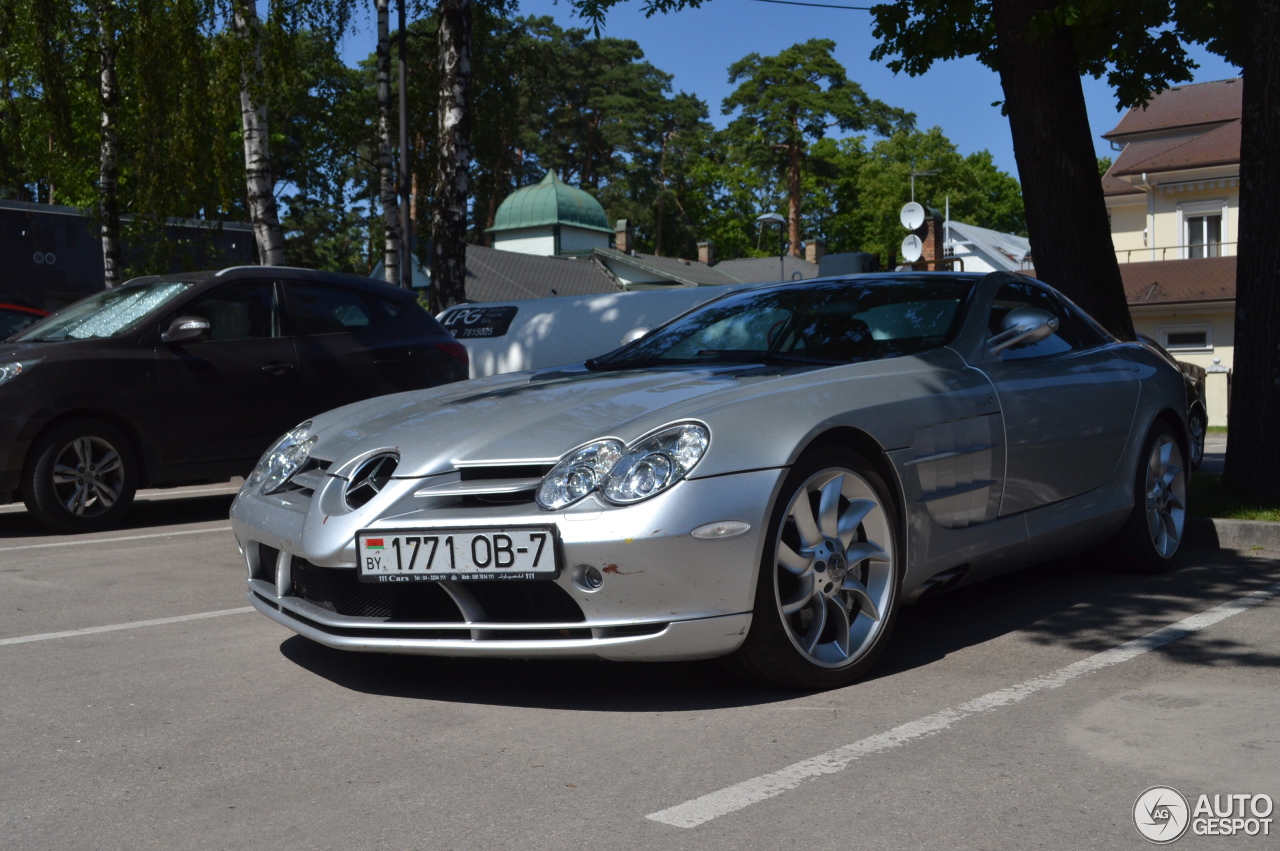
51, 350
525, 417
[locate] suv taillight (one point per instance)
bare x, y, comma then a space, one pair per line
456, 350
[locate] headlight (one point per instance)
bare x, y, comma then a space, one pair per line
10, 371
578, 474
282, 460
656, 463
625, 474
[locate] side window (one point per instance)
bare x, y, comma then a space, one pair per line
246, 311
1013, 296
328, 310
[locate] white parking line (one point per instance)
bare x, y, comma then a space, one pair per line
88, 541
49, 636
741, 795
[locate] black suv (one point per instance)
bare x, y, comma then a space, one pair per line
185, 378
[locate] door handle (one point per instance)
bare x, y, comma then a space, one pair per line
278, 368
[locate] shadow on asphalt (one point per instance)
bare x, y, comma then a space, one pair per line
145, 514
1064, 602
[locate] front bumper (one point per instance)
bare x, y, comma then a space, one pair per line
665, 595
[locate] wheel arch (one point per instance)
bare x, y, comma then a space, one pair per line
864, 444
136, 443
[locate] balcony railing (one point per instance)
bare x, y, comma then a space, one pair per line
1176, 252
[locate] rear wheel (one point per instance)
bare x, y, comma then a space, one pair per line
81, 477
827, 594
1153, 534
1197, 427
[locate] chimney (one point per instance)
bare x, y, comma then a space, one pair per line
814, 250
933, 253
707, 252
623, 237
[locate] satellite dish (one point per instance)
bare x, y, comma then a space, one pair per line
912, 248
912, 215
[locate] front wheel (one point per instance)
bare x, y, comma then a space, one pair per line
81, 476
827, 593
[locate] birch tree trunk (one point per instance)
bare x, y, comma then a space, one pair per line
108, 162
259, 182
449, 213
388, 190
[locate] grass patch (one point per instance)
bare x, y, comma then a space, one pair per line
1207, 498
1217, 429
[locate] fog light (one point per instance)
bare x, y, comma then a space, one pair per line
587, 577
721, 529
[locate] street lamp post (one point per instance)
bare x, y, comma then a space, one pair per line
775, 219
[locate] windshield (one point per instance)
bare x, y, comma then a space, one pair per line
832, 322
107, 313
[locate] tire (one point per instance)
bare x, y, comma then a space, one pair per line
1197, 427
821, 618
81, 476
1152, 536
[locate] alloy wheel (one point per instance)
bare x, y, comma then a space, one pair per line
835, 568
1166, 495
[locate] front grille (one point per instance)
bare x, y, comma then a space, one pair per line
503, 471
266, 563
340, 591
479, 475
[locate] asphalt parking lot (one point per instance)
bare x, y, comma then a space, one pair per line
146, 706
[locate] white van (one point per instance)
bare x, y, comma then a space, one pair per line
510, 336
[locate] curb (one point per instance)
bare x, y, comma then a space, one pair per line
1217, 533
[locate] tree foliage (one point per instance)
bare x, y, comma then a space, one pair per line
784, 103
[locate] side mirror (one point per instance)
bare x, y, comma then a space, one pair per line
187, 329
633, 335
1022, 327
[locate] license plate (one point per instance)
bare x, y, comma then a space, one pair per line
450, 554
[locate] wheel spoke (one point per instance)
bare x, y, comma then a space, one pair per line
83, 449
792, 560
852, 518
819, 607
63, 474
864, 550
803, 595
840, 626
829, 506
866, 605
1154, 524
110, 462
802, 514
75, 504
106, 494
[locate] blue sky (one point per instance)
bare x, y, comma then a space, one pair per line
698, 45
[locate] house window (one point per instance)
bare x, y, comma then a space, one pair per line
1204, 236
1202, 224
1187, 338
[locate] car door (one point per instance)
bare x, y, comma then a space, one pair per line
1068, 402
225, 398
346, 346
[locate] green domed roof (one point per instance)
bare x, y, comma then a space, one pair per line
550, 202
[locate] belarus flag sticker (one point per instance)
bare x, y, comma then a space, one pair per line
373, 543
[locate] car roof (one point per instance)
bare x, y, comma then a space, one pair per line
209, 277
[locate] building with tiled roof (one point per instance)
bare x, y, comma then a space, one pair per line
1173, 197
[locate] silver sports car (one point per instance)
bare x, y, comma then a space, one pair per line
768, 477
